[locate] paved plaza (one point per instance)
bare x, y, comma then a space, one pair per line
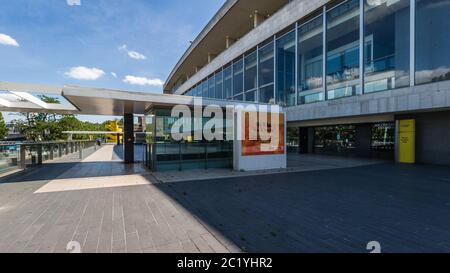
107, 206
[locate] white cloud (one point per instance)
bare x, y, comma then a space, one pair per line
133, 80
114, 74
133, 54
136, 55
73, 2
8, 40
85, 73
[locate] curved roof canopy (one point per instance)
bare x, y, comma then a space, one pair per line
235, 20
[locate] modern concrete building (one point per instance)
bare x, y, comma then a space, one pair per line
368, 78
356, 77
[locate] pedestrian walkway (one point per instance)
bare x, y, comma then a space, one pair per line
104, 154
102, 204
296, 163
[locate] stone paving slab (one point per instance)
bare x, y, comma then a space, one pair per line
404, 207
104, 205
296, 163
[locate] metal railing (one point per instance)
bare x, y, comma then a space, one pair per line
23, 155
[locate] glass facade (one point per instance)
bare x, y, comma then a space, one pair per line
238, 79
285, 91
227, 83
205, 89
343, 50
387, 45
211, 87
310, 61
219, 86
250, 72
432, 41
266, 74
164, 153
334, 139
325, 61
250, 76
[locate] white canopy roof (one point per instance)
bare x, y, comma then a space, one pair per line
20, 97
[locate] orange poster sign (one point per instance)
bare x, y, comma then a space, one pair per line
259, 135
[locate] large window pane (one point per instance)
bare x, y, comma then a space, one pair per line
219, 85
250, 72
250, 96
285, 92
205, 89
343, 50
266, 94
239, 97
211, 87
238, 78
387, 45
227, 83
266, 64
197, 93
432, 40
310, 58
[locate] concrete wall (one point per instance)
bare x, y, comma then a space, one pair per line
428, 97
432, 137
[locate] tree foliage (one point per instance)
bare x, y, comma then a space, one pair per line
50, 127
3, 128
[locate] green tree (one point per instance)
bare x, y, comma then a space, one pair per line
3, 128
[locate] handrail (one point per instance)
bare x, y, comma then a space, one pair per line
35, 153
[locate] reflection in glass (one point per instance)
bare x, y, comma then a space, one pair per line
239, 97
335, 139
238, 78
383, 137
219, 85
432, 41
211, 87
266, 65
205, 89
387, 45
310, 58
266, 74
285, 92
250, 96
343, 50
250, 72
266, 94
227, 83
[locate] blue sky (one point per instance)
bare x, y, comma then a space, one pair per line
121, 44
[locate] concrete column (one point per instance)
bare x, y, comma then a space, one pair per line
229, 41
196, 69
128, 129
211, 57
60, 150
257, 19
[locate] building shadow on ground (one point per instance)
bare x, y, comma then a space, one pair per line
405, 208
